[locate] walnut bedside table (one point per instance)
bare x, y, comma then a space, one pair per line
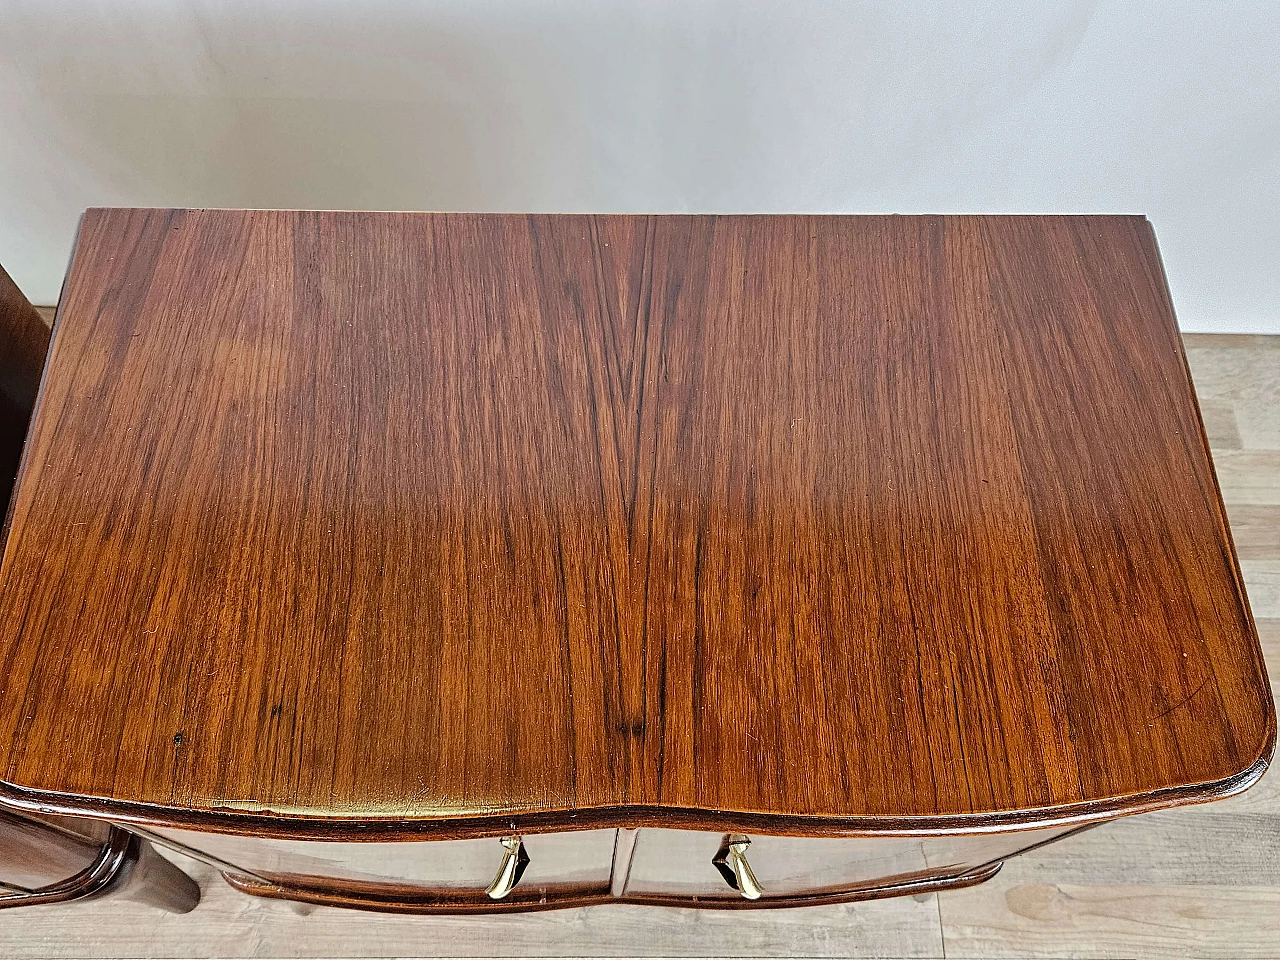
444, 562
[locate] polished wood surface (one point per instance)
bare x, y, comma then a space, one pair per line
35, 853
1197, 881
49, 859
24, 341
332, 522
52, 860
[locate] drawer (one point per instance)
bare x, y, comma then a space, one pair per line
571, 862
671, 864
656, 865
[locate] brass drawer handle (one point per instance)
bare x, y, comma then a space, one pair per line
514, 860
731, 861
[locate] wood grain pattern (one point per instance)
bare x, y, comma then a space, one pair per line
24, 341
334, 522
1197, 882
1188, 882
46, 860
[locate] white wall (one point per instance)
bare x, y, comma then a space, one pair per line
1167, 108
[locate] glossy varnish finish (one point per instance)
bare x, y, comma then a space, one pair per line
40, 853
806, 523
24, 340
46, 859
55, 860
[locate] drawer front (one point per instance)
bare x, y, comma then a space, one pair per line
649, 864
575, 860
669, 863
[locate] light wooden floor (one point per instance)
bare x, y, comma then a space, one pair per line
1201, 882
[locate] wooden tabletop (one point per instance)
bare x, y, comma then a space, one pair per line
410, 523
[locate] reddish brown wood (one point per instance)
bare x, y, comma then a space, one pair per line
415, 902
46, 860
36, 853
24, 340
422, 525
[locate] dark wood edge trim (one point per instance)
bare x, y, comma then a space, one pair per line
903, 889
427, 905
114, 859
462, 826
405, 899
